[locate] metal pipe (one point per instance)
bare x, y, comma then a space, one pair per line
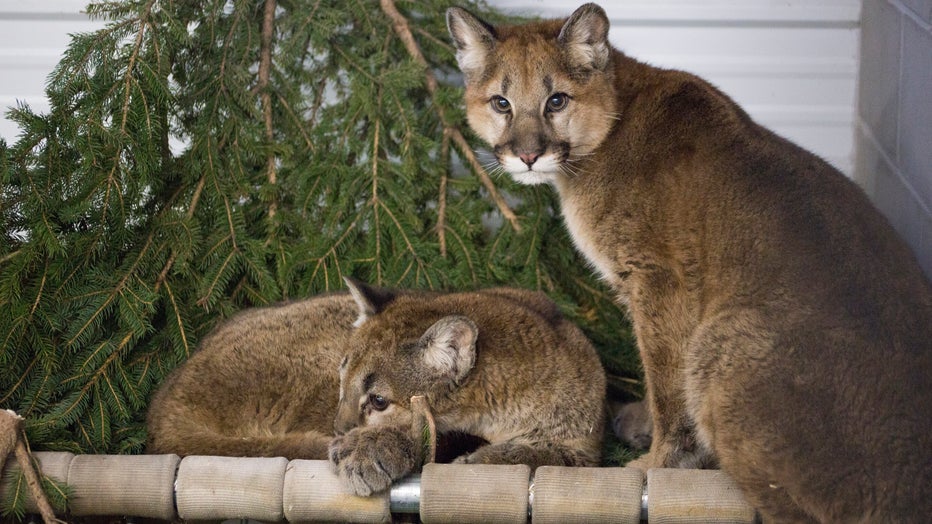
405, 495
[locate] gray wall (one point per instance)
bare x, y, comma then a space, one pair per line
894, 132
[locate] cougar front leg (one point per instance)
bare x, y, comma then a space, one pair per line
663, 346
674, 442
676, 448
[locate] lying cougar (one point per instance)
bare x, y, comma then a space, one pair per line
500, 364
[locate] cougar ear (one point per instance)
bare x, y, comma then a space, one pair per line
449, 347
474, 41
584, 37
370, 299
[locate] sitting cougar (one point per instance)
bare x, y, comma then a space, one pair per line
785, 330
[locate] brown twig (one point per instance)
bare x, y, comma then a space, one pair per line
400, 24
265, 74
11, 439
442, 197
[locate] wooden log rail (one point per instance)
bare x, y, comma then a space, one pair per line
275, 489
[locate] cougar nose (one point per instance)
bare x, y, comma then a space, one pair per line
529, 158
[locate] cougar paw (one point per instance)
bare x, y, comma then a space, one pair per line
642, 463
369, 459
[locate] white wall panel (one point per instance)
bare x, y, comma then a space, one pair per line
33, 36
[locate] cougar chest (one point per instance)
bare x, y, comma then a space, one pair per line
581, 224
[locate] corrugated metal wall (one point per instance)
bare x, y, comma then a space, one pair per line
895, 132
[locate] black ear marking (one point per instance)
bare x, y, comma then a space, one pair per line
371, 300
466, 28
474, 40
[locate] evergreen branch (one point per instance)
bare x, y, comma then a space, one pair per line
408, 245
35, 400
299, 125
532, 251
470, 156
362, 70
147, 362
442, 196
320, 89
177, 314
116, 290
375, 190
132, 391
62, 286
226, 201
466, 253
143, 23
163, 274
35, 304
205, 298
47, 227
226, 48
333, 248
115, 395
19, 382
190, 214
10, 256
109, 183
218, 243
87, 438
88, 360
592, 290
400, 25
92, 380
265, 68
310, 194
403, 118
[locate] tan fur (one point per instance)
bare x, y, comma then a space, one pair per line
785, 329
264, 383
500, 364
267, 382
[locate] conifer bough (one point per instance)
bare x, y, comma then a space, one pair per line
203, 157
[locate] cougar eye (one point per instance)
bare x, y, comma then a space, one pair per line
500, 105
557, 102
378, 402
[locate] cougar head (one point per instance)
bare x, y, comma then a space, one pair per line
540, 94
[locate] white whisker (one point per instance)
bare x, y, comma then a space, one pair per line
496, 171
570, 170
